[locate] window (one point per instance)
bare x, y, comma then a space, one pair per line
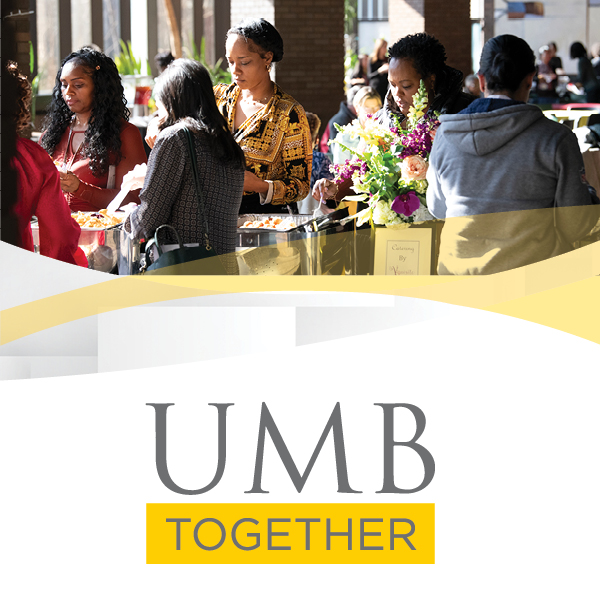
372, 10
62, 26
48, 51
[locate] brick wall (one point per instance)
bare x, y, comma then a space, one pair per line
405, 17
312, 69
19, 27
449, 22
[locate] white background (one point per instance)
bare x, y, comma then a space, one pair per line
512, 419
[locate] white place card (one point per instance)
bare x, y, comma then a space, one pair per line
403, 252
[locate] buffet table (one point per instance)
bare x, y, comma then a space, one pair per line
291, 245
338, 249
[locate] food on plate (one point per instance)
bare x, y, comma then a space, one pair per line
98, 220
276, 223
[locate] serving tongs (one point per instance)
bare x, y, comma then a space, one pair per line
324, 221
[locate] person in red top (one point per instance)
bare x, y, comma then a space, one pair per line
87, 134
38, 190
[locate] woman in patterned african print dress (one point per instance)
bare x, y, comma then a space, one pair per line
268, 124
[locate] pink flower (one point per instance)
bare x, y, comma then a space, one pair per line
406, 204
414, 167
432, 134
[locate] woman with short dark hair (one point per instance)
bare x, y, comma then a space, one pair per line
86, 131
269, 125
185, 99
586, 75
509, 182
416, 58
412, 59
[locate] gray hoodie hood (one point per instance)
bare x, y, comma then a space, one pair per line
482, 133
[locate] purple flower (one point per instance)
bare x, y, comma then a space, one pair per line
406, 204
347, 169
418, 140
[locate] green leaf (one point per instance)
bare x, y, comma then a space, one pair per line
31, 57
196, 54
217, 73
126, 61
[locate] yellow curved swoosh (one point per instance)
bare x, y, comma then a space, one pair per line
562, 293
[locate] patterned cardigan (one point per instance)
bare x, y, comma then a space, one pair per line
169, 194
276, 141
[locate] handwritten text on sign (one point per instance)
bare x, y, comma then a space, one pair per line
402, 257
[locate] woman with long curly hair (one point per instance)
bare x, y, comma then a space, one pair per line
38, 187
87, 134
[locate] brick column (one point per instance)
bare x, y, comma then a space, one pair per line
312, 70
449, 22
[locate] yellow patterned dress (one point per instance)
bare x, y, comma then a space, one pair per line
278, 147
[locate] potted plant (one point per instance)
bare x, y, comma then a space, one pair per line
137, 86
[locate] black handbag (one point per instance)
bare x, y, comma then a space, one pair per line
173, 262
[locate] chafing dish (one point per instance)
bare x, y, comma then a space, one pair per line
298, 251
110, 250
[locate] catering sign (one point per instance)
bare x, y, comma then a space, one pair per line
403, 252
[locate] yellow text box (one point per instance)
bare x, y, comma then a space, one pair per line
290, 533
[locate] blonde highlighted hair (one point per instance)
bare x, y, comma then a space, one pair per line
379, 43
364, 94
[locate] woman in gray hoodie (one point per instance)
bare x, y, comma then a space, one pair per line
509, 182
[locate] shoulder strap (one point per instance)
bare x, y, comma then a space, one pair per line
194, 159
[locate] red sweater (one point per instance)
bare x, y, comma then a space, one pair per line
39, 193
92, 193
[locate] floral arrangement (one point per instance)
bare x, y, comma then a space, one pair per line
390, 166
